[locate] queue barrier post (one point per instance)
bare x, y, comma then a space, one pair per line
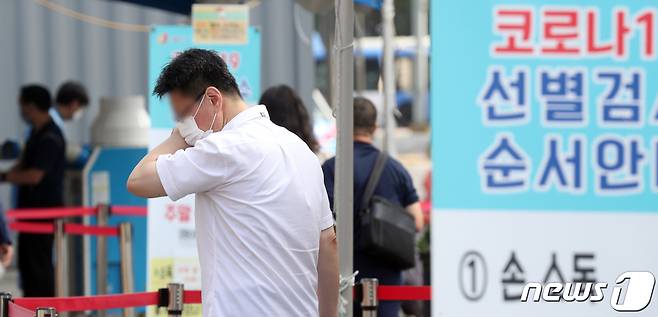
176, 299
369, 296
46, 312
101, 254
5, 298
60, 254
125, 246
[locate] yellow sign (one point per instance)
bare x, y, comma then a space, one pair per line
166, 270
220, 23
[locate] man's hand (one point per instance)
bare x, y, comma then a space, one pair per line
6, 254
178, 140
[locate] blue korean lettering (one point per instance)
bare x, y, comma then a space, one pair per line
654, 183
562, 94
622, 103
504, 100
504, 167
563, 170
654, 113
618, 164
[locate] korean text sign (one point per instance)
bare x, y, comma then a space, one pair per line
543, 106
544, 150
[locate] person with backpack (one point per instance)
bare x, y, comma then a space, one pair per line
394, 188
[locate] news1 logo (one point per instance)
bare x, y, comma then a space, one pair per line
636, 293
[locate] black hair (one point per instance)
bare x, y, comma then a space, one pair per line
36, 95
71, 91
193, 71
365, 116
286, 109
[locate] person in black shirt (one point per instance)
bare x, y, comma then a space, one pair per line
395, 185
39, 176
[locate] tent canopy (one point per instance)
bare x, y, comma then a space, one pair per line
185, 6
176, 6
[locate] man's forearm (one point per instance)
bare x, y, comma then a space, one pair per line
415, 210
144, 180
169, 146
328, 282
24, 177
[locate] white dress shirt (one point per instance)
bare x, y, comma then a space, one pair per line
260, 206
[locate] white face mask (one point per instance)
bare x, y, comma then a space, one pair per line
77, 115
190, 131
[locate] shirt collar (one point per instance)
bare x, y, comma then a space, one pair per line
246, 115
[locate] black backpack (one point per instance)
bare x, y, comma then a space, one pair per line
387, 231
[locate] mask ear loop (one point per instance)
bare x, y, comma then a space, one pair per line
199, 107
213, 121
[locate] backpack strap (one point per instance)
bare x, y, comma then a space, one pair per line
373, 180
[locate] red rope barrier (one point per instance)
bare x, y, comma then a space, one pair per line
70, 228
50, 213
82, 303
128, 211
33, 227
192, 297
388, 292
79, 229
102, 302
18, 311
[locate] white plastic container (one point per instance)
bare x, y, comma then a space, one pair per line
121, 122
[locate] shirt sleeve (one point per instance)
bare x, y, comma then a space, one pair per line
196, 169
326, 217
328, 171
408, 195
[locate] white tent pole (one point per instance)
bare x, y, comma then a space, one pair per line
388, 33
343, 186
419, 111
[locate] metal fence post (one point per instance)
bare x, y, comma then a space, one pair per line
101, 254
46, 312
61, 254
369, 299
4, 304
126, 249
342, 99
176, 299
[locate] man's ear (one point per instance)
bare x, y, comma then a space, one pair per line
373, 129
216, 97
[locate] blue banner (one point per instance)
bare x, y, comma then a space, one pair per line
165, 42
545, 106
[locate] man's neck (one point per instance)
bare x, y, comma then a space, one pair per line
40, 121
363, 138
232, 108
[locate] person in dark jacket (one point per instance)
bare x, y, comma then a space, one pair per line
39, 176
395, 185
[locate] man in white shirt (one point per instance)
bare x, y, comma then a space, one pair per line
265, 233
